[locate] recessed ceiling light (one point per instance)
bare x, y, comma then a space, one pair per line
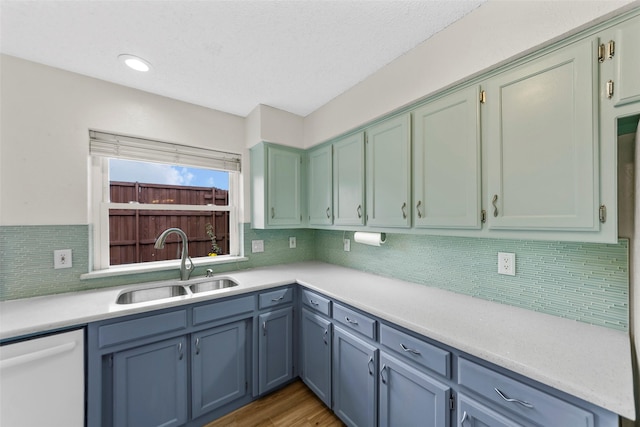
135, 62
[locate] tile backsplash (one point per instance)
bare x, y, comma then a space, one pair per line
582, 281
588, 282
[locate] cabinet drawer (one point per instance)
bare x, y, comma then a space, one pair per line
355, 321
316, 302
143, 327
414, 349
519, 398
275, 298
222, 309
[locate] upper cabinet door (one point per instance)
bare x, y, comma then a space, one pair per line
626, 56
542, 143
388, 154
320, 186
348, 180
446, 162
283, 186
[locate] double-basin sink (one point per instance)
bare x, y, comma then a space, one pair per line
175, 289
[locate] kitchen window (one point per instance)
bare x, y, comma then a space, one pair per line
141, 187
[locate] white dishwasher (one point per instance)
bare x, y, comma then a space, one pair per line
42, 381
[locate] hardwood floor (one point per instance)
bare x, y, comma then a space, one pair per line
293, 406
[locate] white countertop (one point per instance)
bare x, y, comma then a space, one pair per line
589, 362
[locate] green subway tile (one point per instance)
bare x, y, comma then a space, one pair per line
587, 282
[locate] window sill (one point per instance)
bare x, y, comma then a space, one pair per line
158, 266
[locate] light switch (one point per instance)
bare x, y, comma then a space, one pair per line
257, 246
62, 258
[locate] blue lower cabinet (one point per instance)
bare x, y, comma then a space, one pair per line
474, 414
409, 397
355, 379
275, 349
218, 367
150, 385
315, 355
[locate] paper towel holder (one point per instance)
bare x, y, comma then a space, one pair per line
369, 238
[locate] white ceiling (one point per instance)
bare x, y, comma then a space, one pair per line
227, 55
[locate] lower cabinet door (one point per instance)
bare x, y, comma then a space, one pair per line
409, 397
355, 379
219, 367
472, 413
150, 385
275, 352
316, 355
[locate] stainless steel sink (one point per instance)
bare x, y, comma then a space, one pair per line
151, 294
212, 284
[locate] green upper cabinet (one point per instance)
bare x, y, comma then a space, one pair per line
388, 171
542, 141
276, 183
446, 161
348, 180
320, 184
624, 51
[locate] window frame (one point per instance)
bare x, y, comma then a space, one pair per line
100, 204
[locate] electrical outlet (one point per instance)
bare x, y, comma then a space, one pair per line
292, 242
62, 258
507, 263
257, 246
347, 245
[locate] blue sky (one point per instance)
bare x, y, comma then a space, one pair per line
158, 173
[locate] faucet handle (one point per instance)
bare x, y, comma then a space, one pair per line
209, 272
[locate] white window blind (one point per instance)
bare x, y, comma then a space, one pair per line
132, 148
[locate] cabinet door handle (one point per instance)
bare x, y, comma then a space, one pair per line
273, 213
352, 321
495, 206
324, 336
359, 210
404, 212
180, 353
409, 350
312, 302
277, 299
465, 416
197, 346
382, 378
418, 208
507, 399
264, 328
328, 213
369, 363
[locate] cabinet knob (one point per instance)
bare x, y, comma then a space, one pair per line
328, 212
382, 378
404, 212
359, 210
369, 364
418, 208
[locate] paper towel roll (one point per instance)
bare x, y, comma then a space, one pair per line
373, 239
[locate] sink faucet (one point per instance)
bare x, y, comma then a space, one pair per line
185, 271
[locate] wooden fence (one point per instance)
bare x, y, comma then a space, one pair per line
132, 232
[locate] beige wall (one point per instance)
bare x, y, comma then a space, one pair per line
45, 117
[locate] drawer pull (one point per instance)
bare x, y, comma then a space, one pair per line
277, 299
369, 363
312, 302
521, 402
352, 321
409, 350
382, 378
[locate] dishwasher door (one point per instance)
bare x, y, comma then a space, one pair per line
42, 381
